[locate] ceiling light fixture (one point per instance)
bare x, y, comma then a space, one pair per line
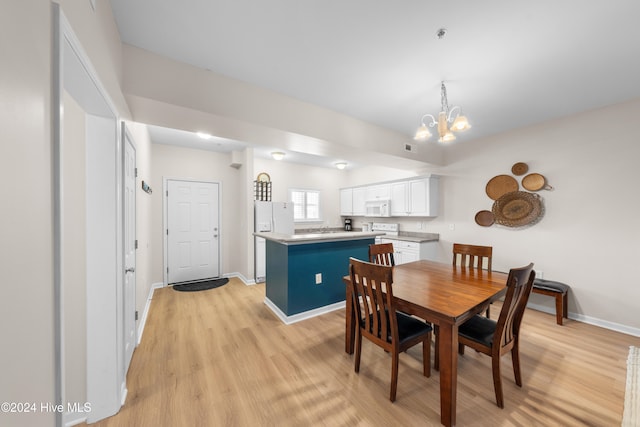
453, 116
341, 165
277, 155
204, 135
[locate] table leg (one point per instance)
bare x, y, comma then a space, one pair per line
448, 339
350, 330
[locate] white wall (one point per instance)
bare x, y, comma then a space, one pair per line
588, 236
285, 175
26, 252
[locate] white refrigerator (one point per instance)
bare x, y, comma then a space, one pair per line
276, 217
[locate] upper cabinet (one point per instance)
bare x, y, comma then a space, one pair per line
378, 192
409, 197
359, 199
415, 197
346, 201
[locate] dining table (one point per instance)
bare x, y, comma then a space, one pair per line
446, 296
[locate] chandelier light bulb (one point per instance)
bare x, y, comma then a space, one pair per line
422, 134
449, 120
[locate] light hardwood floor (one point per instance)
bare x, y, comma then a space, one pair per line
221, 358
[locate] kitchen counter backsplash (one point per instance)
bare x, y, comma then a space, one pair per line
320, 230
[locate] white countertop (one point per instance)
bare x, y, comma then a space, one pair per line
293, 239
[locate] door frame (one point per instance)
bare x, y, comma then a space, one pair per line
73, 72
165, 223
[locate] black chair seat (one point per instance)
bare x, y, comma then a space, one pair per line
550, 285
409, 327
479, 329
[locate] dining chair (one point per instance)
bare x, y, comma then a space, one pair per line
473, 256
381, 253
496, 338
378, 321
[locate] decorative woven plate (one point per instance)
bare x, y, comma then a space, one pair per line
501, 184
485, 218
517, 209
519, 169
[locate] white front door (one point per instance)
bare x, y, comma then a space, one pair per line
192, 233
129, 294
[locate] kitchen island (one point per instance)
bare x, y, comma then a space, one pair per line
304, 271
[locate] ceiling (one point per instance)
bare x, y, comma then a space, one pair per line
507, 63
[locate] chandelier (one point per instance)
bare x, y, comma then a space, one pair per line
449, 120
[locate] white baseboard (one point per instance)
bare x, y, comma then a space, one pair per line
143, 319
287, 320
241, 277
590, 320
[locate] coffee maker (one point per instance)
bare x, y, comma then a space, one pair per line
347, 224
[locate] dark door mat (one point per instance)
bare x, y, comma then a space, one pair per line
200, 286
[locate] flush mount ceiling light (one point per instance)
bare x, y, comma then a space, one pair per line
341, 165
449, 120
277, 155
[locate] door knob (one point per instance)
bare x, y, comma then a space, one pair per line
130, 270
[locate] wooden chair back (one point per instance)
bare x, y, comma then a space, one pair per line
519, 285
381, 253
472, 256
373, 302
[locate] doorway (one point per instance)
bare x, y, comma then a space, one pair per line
192, 230
99, 377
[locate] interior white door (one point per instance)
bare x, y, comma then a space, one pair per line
129, 294
193, 251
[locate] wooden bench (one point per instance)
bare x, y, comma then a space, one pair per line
558, 291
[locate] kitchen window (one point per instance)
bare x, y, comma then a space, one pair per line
306, 205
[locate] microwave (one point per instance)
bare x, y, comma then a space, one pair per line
377, 208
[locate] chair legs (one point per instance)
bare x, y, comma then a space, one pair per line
358, 350
394, 375
515, 357
497, 382
495, 367
395, 359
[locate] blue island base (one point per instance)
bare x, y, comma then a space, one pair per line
291, 288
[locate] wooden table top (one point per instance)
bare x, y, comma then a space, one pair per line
435, 290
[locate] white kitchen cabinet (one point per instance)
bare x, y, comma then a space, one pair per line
399, 204
404, 252
346, 201
415, 197
359, 198
378, 192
